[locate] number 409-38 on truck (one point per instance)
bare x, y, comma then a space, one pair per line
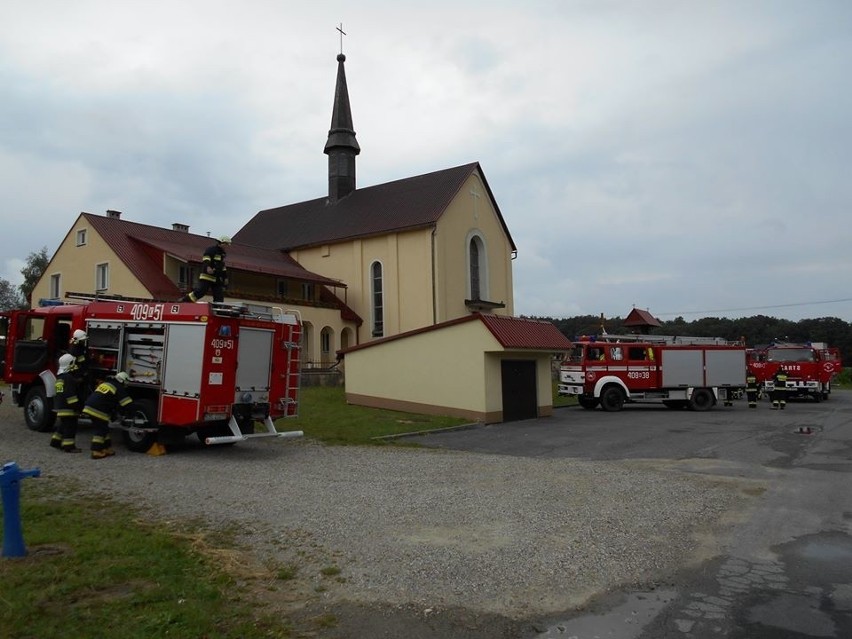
679, 372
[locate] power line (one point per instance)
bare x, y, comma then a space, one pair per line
755, 308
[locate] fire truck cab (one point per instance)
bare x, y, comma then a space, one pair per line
216, 370
678, 372
811, 367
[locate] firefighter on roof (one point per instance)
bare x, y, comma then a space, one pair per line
213, 273
110, 396
779, 390
66, 405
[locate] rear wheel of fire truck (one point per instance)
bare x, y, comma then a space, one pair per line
37, 412
702, 399
612, 399
144, 413
587, 402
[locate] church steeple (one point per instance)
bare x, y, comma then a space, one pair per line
341, 147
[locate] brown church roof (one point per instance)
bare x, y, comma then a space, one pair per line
407, 204
141, 246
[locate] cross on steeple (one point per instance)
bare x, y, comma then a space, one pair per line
342, 33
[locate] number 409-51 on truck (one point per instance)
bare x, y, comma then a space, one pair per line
221, 371
679, 372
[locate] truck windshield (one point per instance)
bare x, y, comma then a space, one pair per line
575, 354
790, 355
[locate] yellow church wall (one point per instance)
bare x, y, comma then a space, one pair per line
77, 265
442, 368
471, 212
406, 261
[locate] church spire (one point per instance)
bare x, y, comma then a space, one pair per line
341, 147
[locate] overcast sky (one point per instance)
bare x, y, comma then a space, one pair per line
689, 158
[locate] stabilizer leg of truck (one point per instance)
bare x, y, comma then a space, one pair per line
239, 436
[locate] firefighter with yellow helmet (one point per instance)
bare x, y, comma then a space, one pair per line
213, 273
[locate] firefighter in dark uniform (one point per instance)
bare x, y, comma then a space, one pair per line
78, 348
109, 397
779, 390
66, 404
213, 273
751, 390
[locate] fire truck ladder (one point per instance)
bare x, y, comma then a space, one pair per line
222, 309
669, 339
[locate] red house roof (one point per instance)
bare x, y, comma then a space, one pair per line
141, 247
510, 332
638, 317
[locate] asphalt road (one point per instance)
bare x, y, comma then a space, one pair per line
786, 568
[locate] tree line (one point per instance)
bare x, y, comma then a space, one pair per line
757, 330
12, 296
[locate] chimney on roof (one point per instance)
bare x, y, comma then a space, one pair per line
341, 147
177, 226
113, 215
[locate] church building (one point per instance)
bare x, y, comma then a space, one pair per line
419, 268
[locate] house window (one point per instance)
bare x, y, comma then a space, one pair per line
81, 237
325, 346
281, 288
186, 276
101, 277
378, 299
477, 268
308, 291
54, 285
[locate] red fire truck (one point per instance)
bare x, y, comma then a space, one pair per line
679, 372
217, 370
811, 367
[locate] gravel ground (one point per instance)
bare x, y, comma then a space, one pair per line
417, 530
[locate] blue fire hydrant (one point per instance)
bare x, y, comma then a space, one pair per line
10, 486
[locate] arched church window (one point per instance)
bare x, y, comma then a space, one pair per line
477, 268
378, 299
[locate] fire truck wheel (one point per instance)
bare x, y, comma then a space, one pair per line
37, 410
817, 397
702, 399
587, 402
140, 441
612, 399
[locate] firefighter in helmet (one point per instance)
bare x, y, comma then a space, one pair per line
779, 390
66, 405
78, 349
109, 397
751, 389
213, 273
